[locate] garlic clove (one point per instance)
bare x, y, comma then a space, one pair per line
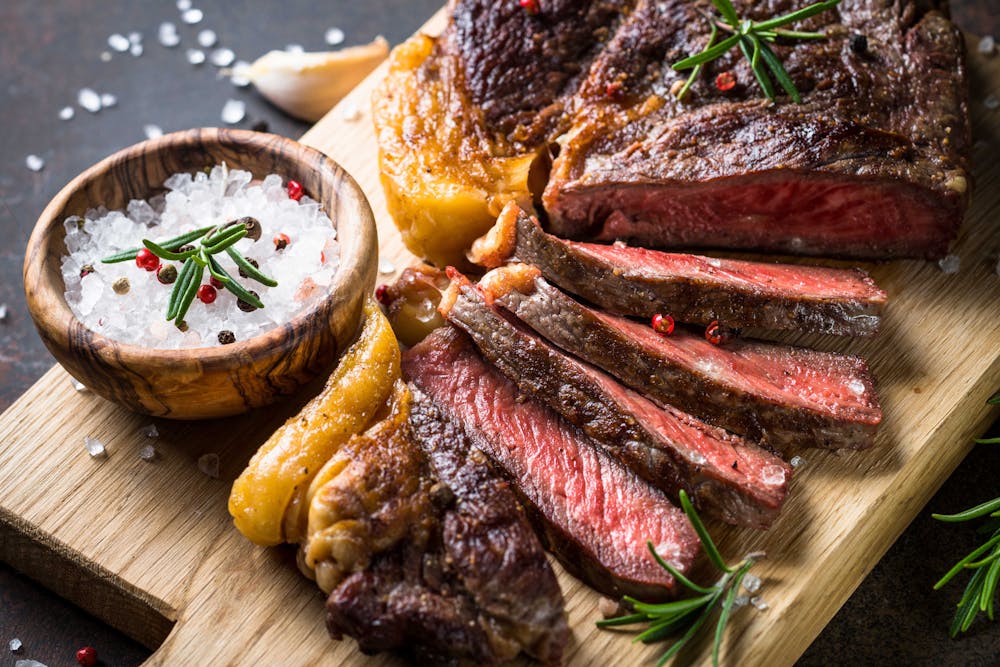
307, 85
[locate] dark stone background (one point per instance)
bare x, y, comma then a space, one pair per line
49, 50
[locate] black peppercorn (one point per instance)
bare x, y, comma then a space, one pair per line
859, 44
166, 274
86, 270
252, 226
226, 337
121, 286
252, 262
246, 306
185, 248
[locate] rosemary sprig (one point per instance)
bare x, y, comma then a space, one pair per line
688, 615
199, 258
754, 39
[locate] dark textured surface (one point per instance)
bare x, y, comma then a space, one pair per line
50, 50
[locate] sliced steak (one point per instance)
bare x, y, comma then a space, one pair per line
779, 395
453, 569
724, 475
594, 513
640, 282
873, 163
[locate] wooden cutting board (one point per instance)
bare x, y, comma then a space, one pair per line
150, 548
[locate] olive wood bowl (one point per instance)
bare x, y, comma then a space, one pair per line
199, 383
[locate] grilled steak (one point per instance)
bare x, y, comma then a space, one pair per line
593, 513
777, 394
723, 474
640, 282
451, 568
873, 163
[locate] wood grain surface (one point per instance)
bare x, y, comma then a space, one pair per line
159, 542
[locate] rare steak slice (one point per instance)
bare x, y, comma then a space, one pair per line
780, 395
724, 475
427, 549
595, 514
694, 289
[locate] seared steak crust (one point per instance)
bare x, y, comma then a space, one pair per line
724, 475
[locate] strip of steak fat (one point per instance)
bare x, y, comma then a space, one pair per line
779, 395
467, 579
724, 475
593, 513
691, 288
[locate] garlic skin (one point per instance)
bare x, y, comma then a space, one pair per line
307, 85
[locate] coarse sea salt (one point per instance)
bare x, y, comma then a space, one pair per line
118, 42
148, 453
79, 386
208, 464
34, 163
240, 74
334, 36
152, 131
950, 263
987, 45
29, 663
167, 35
222, 57
304, 269
192, 16
207, 38
95, 448
66, 113
195, 56
108, 100
15, 645
233, 111
89, 100
150, 431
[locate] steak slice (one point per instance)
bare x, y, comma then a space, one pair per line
779, 395
873, 163
467, 577
724, 475
593, 513
640, 282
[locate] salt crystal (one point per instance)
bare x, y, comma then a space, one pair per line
698, 458
135, 50
348, 111
208, 464
797, 462
108, 100
118, 42
385, 266
105, 57
15, 645
66, 113
134, 37
991, 102
950, 263
751, 583
183, 5
207, 38
34, 162
759, 604
294, 48
987, 45
233, 111
148, 453
150, 431
222, 57
95, 448
79, 386
334, 36
192, 16
29, 663
772, 474
167, 35
240, 74
741, 601
195, 56
89, 100
152, 131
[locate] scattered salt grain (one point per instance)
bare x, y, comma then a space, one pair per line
152, 131
334, 36
136, 50
105, 57
195, 56
118, 42
349, 111
89, 100
385, 266
3, 312
741, 601
192, 16
239, 76
207, 38
857, 387
66, 113
751, 583
150, 431
208, 464
34, 163
15, 645
135, 37
148, 453
222, 57
987, 45
759, 604
95, 448
294, 48
79, 386
950, 263
797, 462
183, 5
233, 111
772, 475
167, 35
991, 102
108, 100
29, 663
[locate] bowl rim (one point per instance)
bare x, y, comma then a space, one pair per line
352, 254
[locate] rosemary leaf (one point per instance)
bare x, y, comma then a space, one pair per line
230, 284
778, 70
621, 620
973, 513
179, 286
670, 608
249, 269
163, 253
762, 78
706, 540
680, 643
171, 244
728, 12
226, 241
960, 565
710, 53
190, 289
798, 15
677, 574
